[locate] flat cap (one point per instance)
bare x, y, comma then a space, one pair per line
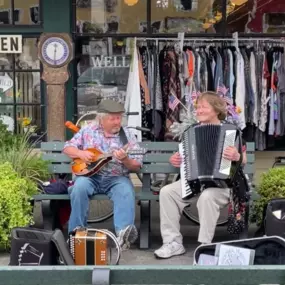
110, 106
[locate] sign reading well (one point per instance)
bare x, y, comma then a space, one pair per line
10, 44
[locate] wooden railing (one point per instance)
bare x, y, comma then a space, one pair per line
87, 275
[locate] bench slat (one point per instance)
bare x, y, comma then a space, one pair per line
173, 146
56, 157
250, 158
250, 146
152, 146
160, 146
52, 146
150, 157
166, 168
164, 157
140, 195
157, 157
60, 168
151, 168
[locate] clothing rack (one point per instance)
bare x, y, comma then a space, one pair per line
213, 39
235, 40
162, 39
240, 39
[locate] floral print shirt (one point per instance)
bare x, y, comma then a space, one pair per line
92, 136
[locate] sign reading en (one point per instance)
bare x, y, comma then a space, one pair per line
10, 44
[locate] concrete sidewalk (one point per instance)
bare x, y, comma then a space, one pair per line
189, 231
135, 256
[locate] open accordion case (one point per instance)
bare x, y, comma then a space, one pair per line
268, 249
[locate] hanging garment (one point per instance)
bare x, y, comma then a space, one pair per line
143, 63
264, 94
133, 96
170, 83
240, 88
281, 89
254, 87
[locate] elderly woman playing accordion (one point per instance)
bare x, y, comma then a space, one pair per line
211, 109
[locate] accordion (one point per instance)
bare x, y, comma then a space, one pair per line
202, 156
90, 247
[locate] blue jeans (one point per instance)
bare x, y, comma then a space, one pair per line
118, 188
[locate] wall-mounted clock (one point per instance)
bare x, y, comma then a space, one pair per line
55, 51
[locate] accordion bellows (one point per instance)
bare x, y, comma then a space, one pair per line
203, 147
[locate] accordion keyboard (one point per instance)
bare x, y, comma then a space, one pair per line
225, 166
185, 188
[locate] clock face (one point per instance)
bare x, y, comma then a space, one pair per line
55, 51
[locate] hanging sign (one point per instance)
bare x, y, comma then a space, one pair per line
11, 44
5, 82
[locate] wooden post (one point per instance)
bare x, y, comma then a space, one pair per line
55, 52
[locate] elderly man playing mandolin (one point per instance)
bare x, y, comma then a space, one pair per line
113, 178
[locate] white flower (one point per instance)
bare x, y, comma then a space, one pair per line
187, 119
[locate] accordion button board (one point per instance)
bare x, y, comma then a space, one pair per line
89, 248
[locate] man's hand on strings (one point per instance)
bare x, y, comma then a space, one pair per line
120, 154
86, 156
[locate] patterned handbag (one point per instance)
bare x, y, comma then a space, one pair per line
236, 217
238, 203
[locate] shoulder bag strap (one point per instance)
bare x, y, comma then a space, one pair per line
123, 136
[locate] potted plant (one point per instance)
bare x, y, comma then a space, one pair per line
272, 185
15, 206
21, 169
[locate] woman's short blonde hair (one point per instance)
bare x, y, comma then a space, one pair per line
219, 105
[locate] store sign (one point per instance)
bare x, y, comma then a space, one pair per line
110, 61
10, 44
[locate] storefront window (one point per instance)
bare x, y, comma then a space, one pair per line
252, 16
20, 88
193, 16
103, 72
18, 12
111, 16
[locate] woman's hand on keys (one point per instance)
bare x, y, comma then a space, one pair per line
176, 159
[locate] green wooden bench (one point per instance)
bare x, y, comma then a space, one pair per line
144, 274
156, 161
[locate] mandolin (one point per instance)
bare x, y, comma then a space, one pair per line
100, 159
81, 168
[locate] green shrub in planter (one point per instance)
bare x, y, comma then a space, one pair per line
272, 185
24, 158
15, 206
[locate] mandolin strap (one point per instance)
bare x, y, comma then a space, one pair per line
123, 136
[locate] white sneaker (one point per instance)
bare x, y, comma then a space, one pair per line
127, 236
170, 249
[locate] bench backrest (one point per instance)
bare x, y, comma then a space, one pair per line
146, 274
156, 160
